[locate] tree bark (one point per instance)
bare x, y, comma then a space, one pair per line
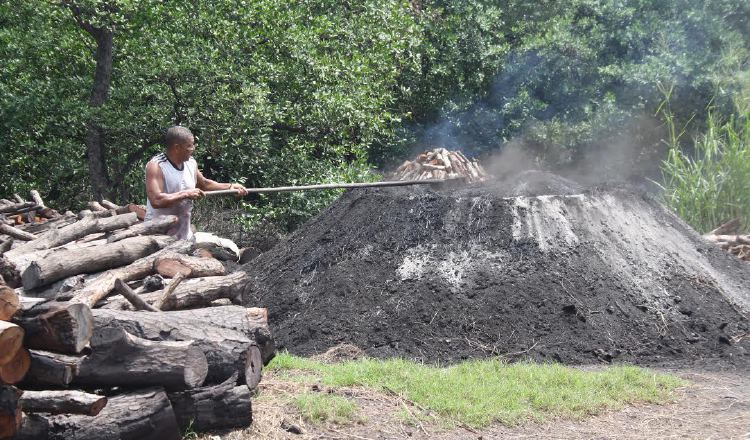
170, 265
63, 402
88, 260
15, 370
58, 326
98, 288
49, 368
159, 225
11, 339
223, 406
55, 223
120, 359
225, 334
140, 415
10, 411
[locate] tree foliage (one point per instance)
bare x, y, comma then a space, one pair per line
320, 90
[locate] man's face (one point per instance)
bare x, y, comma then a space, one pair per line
186, 149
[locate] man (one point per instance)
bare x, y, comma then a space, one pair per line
173, 181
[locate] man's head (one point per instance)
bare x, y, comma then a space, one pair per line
179, 142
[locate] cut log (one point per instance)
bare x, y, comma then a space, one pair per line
223, 406
9, 302
121, 359
33, 427
169, 265
198, 292
92, 259
10, 411
140, 415
56, 326
49, 368
16, 233
159, 225
133, 297
15, 370
100, 287
74, 231
11, 339
63, 402
225, 334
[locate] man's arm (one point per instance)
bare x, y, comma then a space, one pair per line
155, 189
210, 185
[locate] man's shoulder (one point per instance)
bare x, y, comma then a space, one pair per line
159, 158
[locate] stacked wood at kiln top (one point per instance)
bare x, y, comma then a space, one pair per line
155, 367
440, 164
728, 237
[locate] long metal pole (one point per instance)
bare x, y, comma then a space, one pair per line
331, 186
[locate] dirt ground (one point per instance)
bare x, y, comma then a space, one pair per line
716, 405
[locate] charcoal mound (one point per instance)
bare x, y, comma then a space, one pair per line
577, 277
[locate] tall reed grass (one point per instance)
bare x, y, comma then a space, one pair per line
707, 182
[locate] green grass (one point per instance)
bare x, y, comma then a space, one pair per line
318, 408
479, 393
707, 184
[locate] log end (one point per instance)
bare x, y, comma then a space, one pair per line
9, 303
31, 278
15, 370
196, 367
11, 339
98, 406
253, 367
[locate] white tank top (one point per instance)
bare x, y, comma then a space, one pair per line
175, 181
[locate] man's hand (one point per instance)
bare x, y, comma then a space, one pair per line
242, 190
192, 194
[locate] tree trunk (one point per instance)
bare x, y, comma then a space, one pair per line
88, 260
120, 359
98, 288
11, 339
223, 406
140, 415
15, 370
57, 326
10, 411
49, 368
226, 336
170, 265
63, 402
95, 146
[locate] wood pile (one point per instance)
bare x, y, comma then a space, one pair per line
440, 164
110, 329
727, 236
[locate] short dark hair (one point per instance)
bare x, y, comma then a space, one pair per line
176, 135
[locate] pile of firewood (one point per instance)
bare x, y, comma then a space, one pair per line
110, 329
728, 237
440, 164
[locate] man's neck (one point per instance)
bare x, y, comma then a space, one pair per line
178, 164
